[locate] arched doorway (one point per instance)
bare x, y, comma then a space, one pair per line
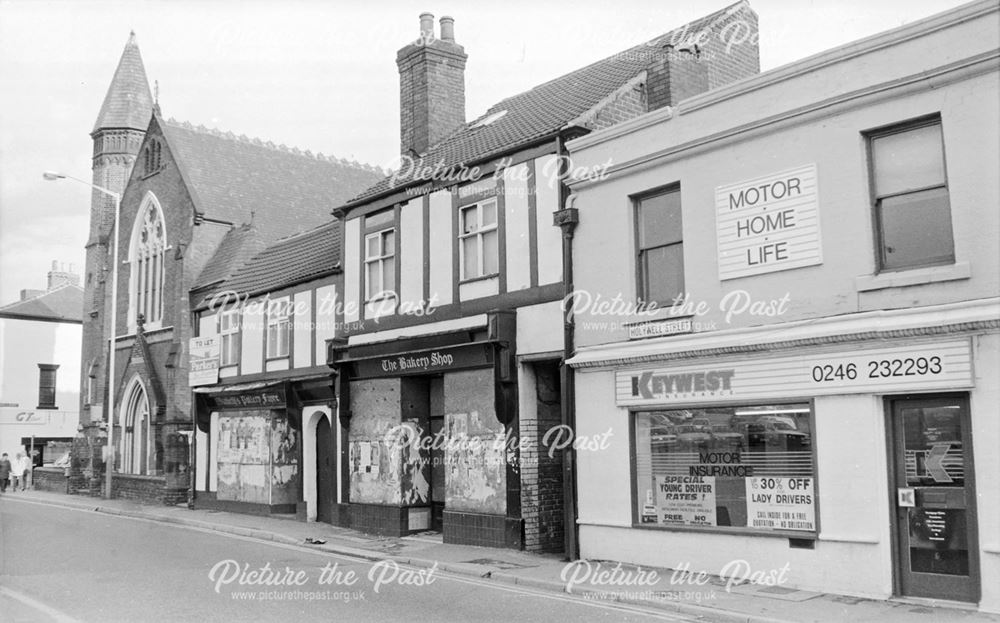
135, 441
326, 484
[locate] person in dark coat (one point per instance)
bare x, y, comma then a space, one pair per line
4, 472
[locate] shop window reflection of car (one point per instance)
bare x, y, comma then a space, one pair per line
723, 435
693, 435
770, 433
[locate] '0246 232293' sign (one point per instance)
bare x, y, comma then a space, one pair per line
927, 366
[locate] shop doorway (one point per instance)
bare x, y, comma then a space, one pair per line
934, 498
326, 484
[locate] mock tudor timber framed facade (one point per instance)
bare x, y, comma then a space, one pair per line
479, 229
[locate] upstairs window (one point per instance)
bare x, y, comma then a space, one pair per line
478, 240
47, 386
660, 245
912, 210
380, 255
278, 328
229, 336
148, 254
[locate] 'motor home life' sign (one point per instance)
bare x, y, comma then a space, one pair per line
768, 224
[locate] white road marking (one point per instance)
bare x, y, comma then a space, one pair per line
56, 615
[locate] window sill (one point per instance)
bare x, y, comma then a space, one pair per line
741, 531
914, 277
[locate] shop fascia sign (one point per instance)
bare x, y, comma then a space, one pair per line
913, 367
464, 356
12, 415
269, 398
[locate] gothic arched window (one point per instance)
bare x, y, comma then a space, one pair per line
151, 157
149, 244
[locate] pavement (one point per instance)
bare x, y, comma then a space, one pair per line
711, 601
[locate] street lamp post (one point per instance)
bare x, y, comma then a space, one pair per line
109, 463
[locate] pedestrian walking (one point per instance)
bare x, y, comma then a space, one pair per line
22, 464
5, 469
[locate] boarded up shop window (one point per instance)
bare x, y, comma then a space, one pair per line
739, 467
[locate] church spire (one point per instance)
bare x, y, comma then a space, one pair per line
128, 103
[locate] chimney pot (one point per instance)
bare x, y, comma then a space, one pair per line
447, 28
427, 25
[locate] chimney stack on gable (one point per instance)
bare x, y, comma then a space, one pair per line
431, 87
702, 56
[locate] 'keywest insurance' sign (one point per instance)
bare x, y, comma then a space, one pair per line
927, 366
768, 224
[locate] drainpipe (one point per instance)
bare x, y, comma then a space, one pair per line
567, 219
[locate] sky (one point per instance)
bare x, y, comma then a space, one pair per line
313, 74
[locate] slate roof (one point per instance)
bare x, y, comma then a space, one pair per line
295, 259
240, 180
64, 304
128, 102
538, 113
236, 248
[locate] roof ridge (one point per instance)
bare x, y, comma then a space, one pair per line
42, 294
330, 224
258, 142
708, 20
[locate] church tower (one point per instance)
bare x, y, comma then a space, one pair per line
117, 135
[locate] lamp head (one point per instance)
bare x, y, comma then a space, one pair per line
52, 175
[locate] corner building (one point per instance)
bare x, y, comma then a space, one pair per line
807, 374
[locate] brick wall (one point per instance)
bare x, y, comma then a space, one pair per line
629, 104
50, 479
723, 53
431, 93
114, 156
541, 474
146, 490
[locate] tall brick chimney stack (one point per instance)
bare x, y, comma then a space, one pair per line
431, 87
704, 55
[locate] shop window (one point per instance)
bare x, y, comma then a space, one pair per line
229, 336
278, 328
912, 210
478, 240
660, 246
47, 386
740, 468
380, 255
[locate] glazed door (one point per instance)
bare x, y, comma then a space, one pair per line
935, 499
326, 485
